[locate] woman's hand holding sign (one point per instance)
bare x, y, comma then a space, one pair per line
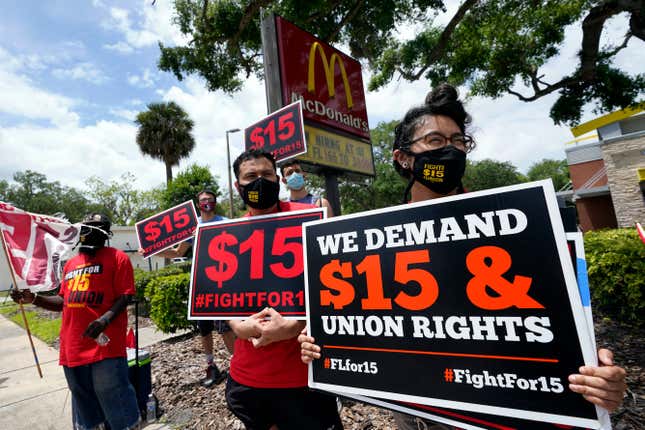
602, 385
308, 349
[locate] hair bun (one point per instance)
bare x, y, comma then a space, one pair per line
442, 93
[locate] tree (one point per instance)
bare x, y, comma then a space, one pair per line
187, 184
33, 193
485, 174
489, 45
557, 170
120, 201
165, 133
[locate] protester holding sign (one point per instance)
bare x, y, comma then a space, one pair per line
267, 383
96, 287
429, 151
294, 178
206, 200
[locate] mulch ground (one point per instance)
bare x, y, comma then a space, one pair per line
178, 365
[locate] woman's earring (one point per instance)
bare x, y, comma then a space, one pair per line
405, 165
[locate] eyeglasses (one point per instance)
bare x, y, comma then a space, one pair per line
436, 140
207, 200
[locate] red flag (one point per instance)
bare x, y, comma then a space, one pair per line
129, 339
36, 245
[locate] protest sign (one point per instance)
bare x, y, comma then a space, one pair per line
467, 302
242, 266
167, 228
472, 420
281, 133
36, 246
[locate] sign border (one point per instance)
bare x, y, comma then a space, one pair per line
575, 302
322, 210
136, 226
277, 113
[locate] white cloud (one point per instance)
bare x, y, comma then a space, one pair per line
214, 113
85, 71
142, 27
145, 80
19, 96
71, 155
120, 46
128, 114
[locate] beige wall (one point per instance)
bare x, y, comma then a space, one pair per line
623, 157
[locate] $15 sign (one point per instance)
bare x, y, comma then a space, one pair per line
280, 133
237, 262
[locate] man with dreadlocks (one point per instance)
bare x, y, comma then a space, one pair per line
96, 287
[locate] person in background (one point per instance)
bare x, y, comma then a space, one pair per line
435, 134
206, 201
96, 288
294, 179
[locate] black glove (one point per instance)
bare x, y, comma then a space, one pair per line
95, 327
25, 295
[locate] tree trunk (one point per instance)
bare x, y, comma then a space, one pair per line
168, 174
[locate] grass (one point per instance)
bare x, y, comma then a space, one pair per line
43, 327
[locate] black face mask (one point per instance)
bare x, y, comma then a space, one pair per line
91, 240
260, 193
440, 170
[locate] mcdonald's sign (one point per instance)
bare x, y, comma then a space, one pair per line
328, 82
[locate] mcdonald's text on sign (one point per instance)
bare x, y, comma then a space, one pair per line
468, 302
242, 266
328, 82
168, 228
281, 133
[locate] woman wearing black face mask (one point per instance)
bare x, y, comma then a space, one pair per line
431, 145
429, 151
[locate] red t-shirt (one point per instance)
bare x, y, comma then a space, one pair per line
276, 365
90, 286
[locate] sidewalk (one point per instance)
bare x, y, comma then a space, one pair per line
28, 402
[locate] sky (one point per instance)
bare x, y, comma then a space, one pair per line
74, 74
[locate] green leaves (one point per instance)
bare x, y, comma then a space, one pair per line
487, 173
616, 267
492, 46
165, 133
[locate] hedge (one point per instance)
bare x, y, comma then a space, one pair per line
169, 302
616, 265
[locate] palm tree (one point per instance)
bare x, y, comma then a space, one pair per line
165, 133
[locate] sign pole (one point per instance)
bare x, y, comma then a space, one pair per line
22, 309
271, 61
331, 186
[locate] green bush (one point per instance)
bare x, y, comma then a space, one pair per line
169, 302
142, 278
616, 265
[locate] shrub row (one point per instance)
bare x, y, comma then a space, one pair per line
616, 266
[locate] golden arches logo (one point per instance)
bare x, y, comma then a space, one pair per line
329, 68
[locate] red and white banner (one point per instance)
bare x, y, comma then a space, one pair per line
36, 246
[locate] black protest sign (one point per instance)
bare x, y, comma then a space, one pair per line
242, 266
281, 133
473, 420
467, 302
168, 228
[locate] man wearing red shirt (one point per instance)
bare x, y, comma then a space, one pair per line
267, 384
96, 287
